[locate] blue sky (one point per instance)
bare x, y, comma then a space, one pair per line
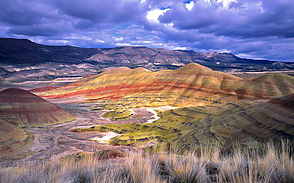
262, 29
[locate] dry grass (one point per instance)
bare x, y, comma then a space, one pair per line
274, 165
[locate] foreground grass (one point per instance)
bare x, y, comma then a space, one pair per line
275, 165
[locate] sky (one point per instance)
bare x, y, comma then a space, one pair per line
260, 29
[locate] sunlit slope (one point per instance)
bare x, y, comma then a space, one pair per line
24, 109
191, 84
11, 137
272, 84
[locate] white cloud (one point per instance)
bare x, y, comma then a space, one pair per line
79, 37
58, 41
99, 41
153, 15
178, 47
126, 44
170, 26
189, 5
244, 55
223, 51
226, 3
117, 39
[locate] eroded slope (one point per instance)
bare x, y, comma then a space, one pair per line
24, 109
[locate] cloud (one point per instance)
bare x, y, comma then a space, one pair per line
101, 11
189, 5
253, 28
153, 15
236, 18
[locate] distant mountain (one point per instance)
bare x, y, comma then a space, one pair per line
26, 52
158, 59
64, 60
24, 109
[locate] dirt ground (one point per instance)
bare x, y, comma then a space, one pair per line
56, 141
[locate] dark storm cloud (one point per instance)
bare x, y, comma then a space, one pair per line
98, 11
250, 28
243, 18
45, 17
19, 12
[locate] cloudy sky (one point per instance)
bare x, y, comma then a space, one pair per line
262, 29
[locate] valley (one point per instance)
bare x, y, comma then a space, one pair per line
122, 117
146, 91
56, 141
76, 113
137, 110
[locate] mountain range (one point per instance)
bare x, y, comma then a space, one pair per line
22, 58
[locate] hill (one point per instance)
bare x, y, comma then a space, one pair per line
192, 84
24, 109
247, 122
11, 137
271, 84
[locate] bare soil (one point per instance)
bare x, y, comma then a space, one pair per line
54, 142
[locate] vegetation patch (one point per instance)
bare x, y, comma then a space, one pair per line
118, 115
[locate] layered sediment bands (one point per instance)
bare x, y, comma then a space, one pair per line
246, 122
272, 84
10, 137
190, 81
43, 89
24, 109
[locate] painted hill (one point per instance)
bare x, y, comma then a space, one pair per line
247, 122
24, 109
11, 137
191, 84
272, 84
